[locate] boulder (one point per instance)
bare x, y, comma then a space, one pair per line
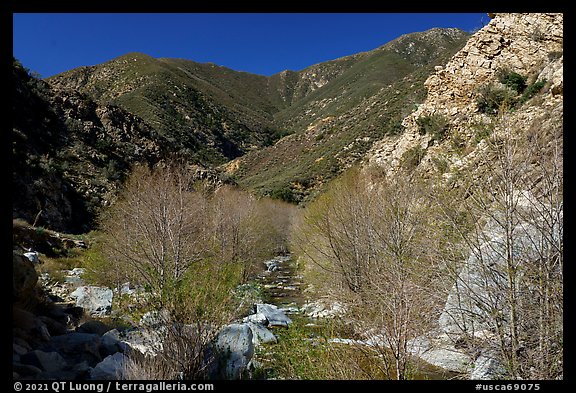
111, 368
291, 308
448, 358
440, 351
77, 271
54, 327
18, 349
24, 278
154, 319
32, 257
74, 312
93, 327
81, 368
487, 367
272, 265
112, 342
273, 314
29, 327
55, 311
256, 318
146, 341
76, 347
95, 300
25, 370
47, 361
127, 289
260, 334
234, 348
74, 276
21, 343
321, 309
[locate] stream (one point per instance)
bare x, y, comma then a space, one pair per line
283, 287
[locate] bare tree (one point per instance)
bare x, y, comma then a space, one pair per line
189, 245
509, 290
245, 230
371, 236
157, 235
156, 230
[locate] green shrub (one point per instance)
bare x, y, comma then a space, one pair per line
393, 127
285, 194
555, 55
513, 80
483, 131
537, 35
531, 91
440, 163
412, 157
435, 125
491, 99
457, 142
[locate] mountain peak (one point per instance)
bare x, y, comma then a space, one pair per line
134, 56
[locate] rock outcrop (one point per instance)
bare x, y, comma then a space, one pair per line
95, 300
528, 44
47, 339
70, 154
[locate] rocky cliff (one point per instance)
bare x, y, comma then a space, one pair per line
70, 154
528, 45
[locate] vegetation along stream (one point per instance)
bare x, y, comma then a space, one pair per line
312, 347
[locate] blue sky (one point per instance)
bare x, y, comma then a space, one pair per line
50, 43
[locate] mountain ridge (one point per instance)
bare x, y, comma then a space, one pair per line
272, 95
333, 126
208, 115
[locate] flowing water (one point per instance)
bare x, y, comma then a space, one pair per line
282, 285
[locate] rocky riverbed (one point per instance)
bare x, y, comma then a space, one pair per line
60, 342
283, 287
